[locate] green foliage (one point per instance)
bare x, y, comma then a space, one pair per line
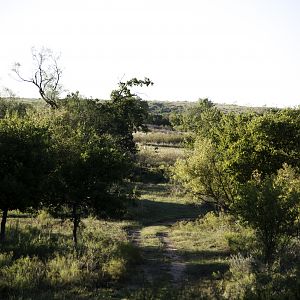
90, 180
13, 106
202, 174
6, 259
197, 232
24, 163
249, 278
23, 273
23, 159
63, 269
228, 153
119, 117
241, 280
250, 142
271, 207
201, 119
243, 241
127, 113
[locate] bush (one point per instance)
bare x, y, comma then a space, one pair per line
115, 268
5, 259
270, 206
23, 273
244, 241
250, 278
240, 281
63, 270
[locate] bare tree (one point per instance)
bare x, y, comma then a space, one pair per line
7, 93
46, 75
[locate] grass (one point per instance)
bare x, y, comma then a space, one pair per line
38, 260
168, 220
160, 137
150, 237
204, 245
159, 204
159, 156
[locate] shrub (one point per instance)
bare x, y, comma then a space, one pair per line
63, 269
5, 259
23, 273
115, 268
240, 280
270, 206
244, 241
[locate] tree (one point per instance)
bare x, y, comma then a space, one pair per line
97, 138
127, 112
264, 143
202, 174
24, 164
271, 206
200, 119
89, 172
235, 147
46, 75
119, 117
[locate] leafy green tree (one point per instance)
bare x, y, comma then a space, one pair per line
127, 112
24, 164
202, 174
250, 142
89, 173
200, 119
119, 117
271, 206
239, 145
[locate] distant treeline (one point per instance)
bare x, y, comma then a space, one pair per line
161, 113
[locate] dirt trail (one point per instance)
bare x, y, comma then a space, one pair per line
177, 265
156, 213
165, 261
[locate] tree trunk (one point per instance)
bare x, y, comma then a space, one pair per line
76, 221
3, 223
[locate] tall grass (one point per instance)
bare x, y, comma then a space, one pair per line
159, 137
158, 156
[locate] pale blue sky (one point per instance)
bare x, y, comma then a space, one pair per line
232, 51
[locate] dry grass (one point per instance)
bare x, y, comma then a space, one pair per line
159, 137
158, 156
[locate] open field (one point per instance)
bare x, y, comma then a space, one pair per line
158, 156
162, 137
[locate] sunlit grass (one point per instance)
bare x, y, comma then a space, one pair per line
159, 137
158, 156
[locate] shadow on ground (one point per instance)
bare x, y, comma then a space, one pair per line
148, 212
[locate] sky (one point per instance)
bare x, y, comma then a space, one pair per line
244, 52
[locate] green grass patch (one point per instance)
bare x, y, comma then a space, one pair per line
158, 204
203, 245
